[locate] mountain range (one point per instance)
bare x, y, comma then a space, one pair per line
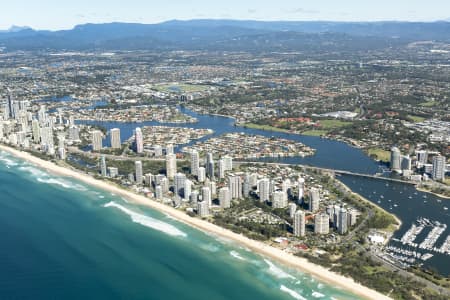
226, 35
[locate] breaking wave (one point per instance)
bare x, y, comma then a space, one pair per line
293, 293
64, 183
148, 221
277, 272
235, 254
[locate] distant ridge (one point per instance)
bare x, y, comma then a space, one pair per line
222, 34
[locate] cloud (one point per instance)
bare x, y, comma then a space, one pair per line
251, 11
81, 16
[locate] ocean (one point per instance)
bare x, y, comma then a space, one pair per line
62, 239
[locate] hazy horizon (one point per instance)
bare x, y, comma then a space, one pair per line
52, 15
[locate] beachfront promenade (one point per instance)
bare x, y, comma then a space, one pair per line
330, 171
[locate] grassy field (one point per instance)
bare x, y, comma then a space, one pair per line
416, 119
429, 103
264, 127
380, 154
315, 132
332, 124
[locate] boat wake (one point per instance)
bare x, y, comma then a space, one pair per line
148, 221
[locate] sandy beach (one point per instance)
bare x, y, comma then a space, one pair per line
287, 259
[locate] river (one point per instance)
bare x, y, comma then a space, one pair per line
405, 202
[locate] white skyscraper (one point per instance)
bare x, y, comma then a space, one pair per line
292, 209
171, 165
301, 190
314, 200
395, 159
264, 189
187, 190
225, 197
228, 160
116, 142
169, 149
299, 223
206, 195
438, 167
222, 168
61, 148
179, 184
279, 200
103, 166
235, 185
210, 166
139, 140
195, 162
201, 174
322, 224
97, 140
202, 209
343, 222
139, 172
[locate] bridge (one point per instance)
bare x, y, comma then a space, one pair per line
330, 171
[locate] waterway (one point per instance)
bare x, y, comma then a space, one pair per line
406, 203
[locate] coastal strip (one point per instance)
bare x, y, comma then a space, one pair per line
287, 259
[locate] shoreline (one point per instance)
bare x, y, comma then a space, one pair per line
397, 219
261, 248
420, 189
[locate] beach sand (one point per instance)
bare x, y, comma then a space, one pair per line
287, 259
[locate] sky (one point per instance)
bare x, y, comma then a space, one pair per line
64, 14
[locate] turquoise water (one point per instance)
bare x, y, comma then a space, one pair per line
61, 239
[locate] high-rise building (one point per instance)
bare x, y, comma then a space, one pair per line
97, 140
395, 159
116, 142
194, 197
139, 173
158, 192
292, 209
343, 222
202, 209
222, 168
61, 148
103, 166
139, 140
224, 197
314, 200
171, 165
36, 130
228, 161
438, 168
279, 200
422, 156
195, 162
301, 190
187, 190
321, 224
179, 184
206, 195
246, 186
74, 133
201, 174
235, 185
210, 166
169, 149
113, 172
299, 223
264, 190
405, 163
